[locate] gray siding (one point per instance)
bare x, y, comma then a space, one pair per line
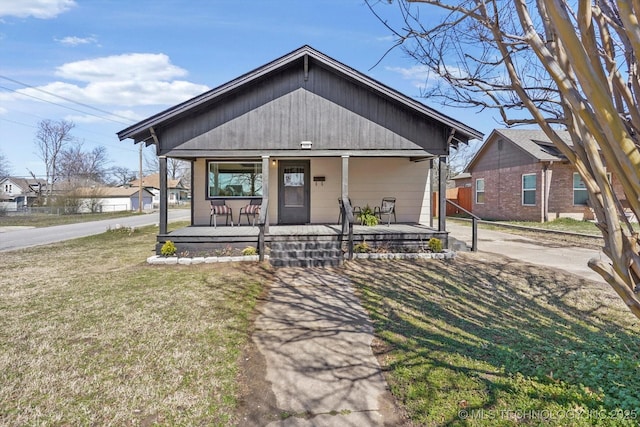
279, 112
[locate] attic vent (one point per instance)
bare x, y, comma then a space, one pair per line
500, 144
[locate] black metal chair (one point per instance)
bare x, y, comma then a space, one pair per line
219, 207
388, 208
253, 209
355, 210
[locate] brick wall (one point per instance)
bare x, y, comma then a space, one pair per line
503, 194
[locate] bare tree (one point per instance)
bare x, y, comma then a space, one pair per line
541, 62
51, 138
176, 168
76, 164
121, 175
5, 167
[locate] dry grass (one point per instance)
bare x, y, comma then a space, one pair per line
92, 335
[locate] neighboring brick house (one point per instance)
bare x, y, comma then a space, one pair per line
518, 174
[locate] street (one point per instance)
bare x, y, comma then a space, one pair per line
24, 238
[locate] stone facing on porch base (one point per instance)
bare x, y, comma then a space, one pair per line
160, 260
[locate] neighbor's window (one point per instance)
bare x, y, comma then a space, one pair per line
234, 179
529, 189
580, 195
480, 190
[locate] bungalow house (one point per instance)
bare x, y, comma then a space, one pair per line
19, 193
295, 135
111, 199
518, 174
177, 192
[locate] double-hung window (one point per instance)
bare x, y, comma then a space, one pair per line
580, 195
529, 189
480, 190
234, 179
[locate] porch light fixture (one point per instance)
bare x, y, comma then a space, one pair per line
306, 145
273, 162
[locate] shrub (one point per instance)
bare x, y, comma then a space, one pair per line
168, 249
435, 245
249, 250
361, 248
367, 217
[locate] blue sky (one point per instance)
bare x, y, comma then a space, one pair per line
121, 61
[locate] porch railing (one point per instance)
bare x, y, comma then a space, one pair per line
347, 224
474, 225
262, 221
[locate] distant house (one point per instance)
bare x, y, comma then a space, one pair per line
518, 174
177, 191
112, 199
19, 193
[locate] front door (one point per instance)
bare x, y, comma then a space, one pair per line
293, 192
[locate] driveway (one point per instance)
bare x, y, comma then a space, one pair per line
27, 237
571, 259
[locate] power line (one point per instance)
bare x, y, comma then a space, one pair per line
112, 145
128, 122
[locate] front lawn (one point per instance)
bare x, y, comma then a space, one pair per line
487, 341
92, 335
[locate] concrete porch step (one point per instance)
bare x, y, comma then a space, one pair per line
306, 253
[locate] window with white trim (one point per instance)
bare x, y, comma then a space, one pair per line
234, 179
529, 189
480, 191
580, 194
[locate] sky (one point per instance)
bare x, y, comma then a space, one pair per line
107, 64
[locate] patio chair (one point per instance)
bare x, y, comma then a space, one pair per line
253, 209
355, 210
219, 207
388, 208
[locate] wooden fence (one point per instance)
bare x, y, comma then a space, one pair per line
460, 195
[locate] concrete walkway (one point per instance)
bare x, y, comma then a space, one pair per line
316, 339
571, 259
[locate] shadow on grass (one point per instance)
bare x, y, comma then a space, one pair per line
501, 336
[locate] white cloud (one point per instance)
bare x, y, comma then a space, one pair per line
76, 41
3, 111
124, 80
133, 66
43, 9
420, 75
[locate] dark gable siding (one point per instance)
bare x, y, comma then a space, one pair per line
280, 111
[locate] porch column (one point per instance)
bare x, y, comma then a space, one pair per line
345, 176
265, 189
442, 193
345, 187
431, 207
163, 194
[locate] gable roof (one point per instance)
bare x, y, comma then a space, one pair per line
534, 142
153, 181
144, 131
24, 183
